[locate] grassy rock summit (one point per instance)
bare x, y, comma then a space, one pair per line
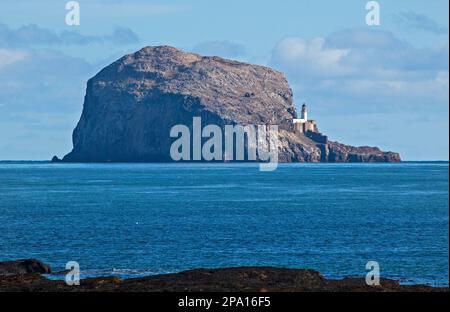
131, 105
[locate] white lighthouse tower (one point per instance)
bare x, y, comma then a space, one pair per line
304, 114
302, 124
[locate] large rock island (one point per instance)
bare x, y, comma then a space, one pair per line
131, 105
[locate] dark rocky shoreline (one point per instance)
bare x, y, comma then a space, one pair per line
26, 276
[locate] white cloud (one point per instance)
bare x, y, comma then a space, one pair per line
121, 8
312, 57
363, 63
442, 79
368, 88
41, 80
33, 35
412, 20
8, 57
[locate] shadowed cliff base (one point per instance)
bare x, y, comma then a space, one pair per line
131, 105
242, 279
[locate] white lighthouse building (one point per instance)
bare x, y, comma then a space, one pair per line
302, 124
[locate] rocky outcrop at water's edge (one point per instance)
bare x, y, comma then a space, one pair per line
245, 279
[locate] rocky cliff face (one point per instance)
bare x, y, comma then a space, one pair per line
131, 105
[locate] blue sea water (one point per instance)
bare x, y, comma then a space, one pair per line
141, 219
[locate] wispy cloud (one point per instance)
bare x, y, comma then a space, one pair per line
34, 35
220, 48
134, 8
41, 80
423, 22
365, 66
298, 56
8, 57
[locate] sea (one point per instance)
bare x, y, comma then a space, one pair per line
133, 220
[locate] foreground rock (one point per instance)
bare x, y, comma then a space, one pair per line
23, 267
245, 279
131, 105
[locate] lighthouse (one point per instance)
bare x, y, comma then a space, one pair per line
302, 125
304, 114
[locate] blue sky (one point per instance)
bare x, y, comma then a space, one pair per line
384, 85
